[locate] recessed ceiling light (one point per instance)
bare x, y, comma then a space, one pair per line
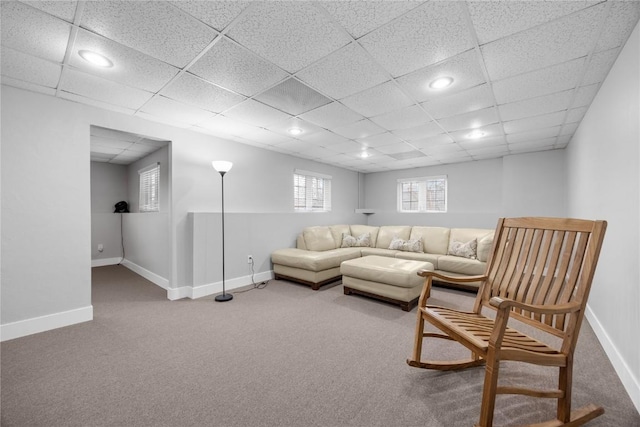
95, 58
295, 131
476, 134
441, 83
364, 155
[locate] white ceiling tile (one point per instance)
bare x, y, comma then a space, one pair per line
174, 110
442, 149
563, 141
419, 132
21, 84
267, 137
534, 135
291, 37
599, 66
472, 120
155, 28
109, 135
256, 113
218, 14
97, 142
378, 100
405, 118
95, 103
544, 81
32, 31
428, 34
463, 68
395, 148
500, 149
235, 68
491, 131
165, 120
100, 157
532, 146
346, 147
496, 19
386, 138
130, 68
432, 141
221, 125
623, 17
29, 68
473, 99
535, 106
62, 9
323, 138
576, 114
197, 92
293, 146
293, 97
569, 128
104, 90
536, 122
361, 129
142, 148
476, 144
318, 152
558, 41
584, 95
336, 75
359, 18
331, 115
283, 127
105, 149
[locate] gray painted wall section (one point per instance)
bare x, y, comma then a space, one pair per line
108, 186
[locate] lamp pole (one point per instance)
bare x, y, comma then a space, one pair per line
223, 167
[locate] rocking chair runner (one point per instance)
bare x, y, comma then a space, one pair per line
539, 272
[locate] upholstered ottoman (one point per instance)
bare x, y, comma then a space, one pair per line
388, 279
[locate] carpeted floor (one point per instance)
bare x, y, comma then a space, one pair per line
280, 356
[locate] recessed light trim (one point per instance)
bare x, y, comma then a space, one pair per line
476, 134
441, 82
295, 131
95, 58
364, 155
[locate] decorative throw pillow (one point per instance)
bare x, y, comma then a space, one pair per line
467, 250
360, 241
412, 245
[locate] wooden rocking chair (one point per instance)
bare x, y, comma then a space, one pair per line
539, 272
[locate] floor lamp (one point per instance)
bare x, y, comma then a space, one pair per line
222, 167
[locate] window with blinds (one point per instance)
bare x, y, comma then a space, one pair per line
428, 194
150, 188
311, 192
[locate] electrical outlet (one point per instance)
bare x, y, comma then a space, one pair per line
100, 247
249, 259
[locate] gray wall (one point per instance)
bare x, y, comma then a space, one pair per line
603, 160
108, 186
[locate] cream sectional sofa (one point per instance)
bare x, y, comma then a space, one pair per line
320, 250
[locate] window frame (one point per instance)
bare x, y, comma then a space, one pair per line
312, 180
422, 184
149, 188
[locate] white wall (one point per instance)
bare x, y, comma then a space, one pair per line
603, 160
46, 214
108, 186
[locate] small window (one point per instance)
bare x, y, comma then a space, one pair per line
311, 192
428, 194
150, 188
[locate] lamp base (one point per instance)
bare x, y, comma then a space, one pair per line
224, 297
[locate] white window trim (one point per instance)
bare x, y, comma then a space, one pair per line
421, 201
154, 204
327, 191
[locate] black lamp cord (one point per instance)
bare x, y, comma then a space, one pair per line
121, 239
260, 285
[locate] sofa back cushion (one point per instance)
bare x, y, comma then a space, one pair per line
388, 232
483, 236
435, 240
337, 231
359, 230
318, 238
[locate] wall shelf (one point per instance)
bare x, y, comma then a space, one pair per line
366, 211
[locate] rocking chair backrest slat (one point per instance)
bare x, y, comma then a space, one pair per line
543, 261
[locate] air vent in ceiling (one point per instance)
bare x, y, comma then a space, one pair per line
293, 97
407, 155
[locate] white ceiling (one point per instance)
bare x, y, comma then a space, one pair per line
121, 148
353, 75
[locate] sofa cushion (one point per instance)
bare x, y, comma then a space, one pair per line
417, 256
337, 231
388, 232
484, 247
379, 251
391, 271
318, 238
461, 265
358, 230
435, 240
313, 260
464, 249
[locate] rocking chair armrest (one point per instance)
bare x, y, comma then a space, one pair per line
456, 279
505, 304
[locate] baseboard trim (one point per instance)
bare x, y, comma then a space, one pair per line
35, 325
630, 383
237, 283
101, 262
149, 275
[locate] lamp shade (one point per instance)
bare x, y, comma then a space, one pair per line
222, 165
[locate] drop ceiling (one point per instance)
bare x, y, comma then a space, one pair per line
353, 76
